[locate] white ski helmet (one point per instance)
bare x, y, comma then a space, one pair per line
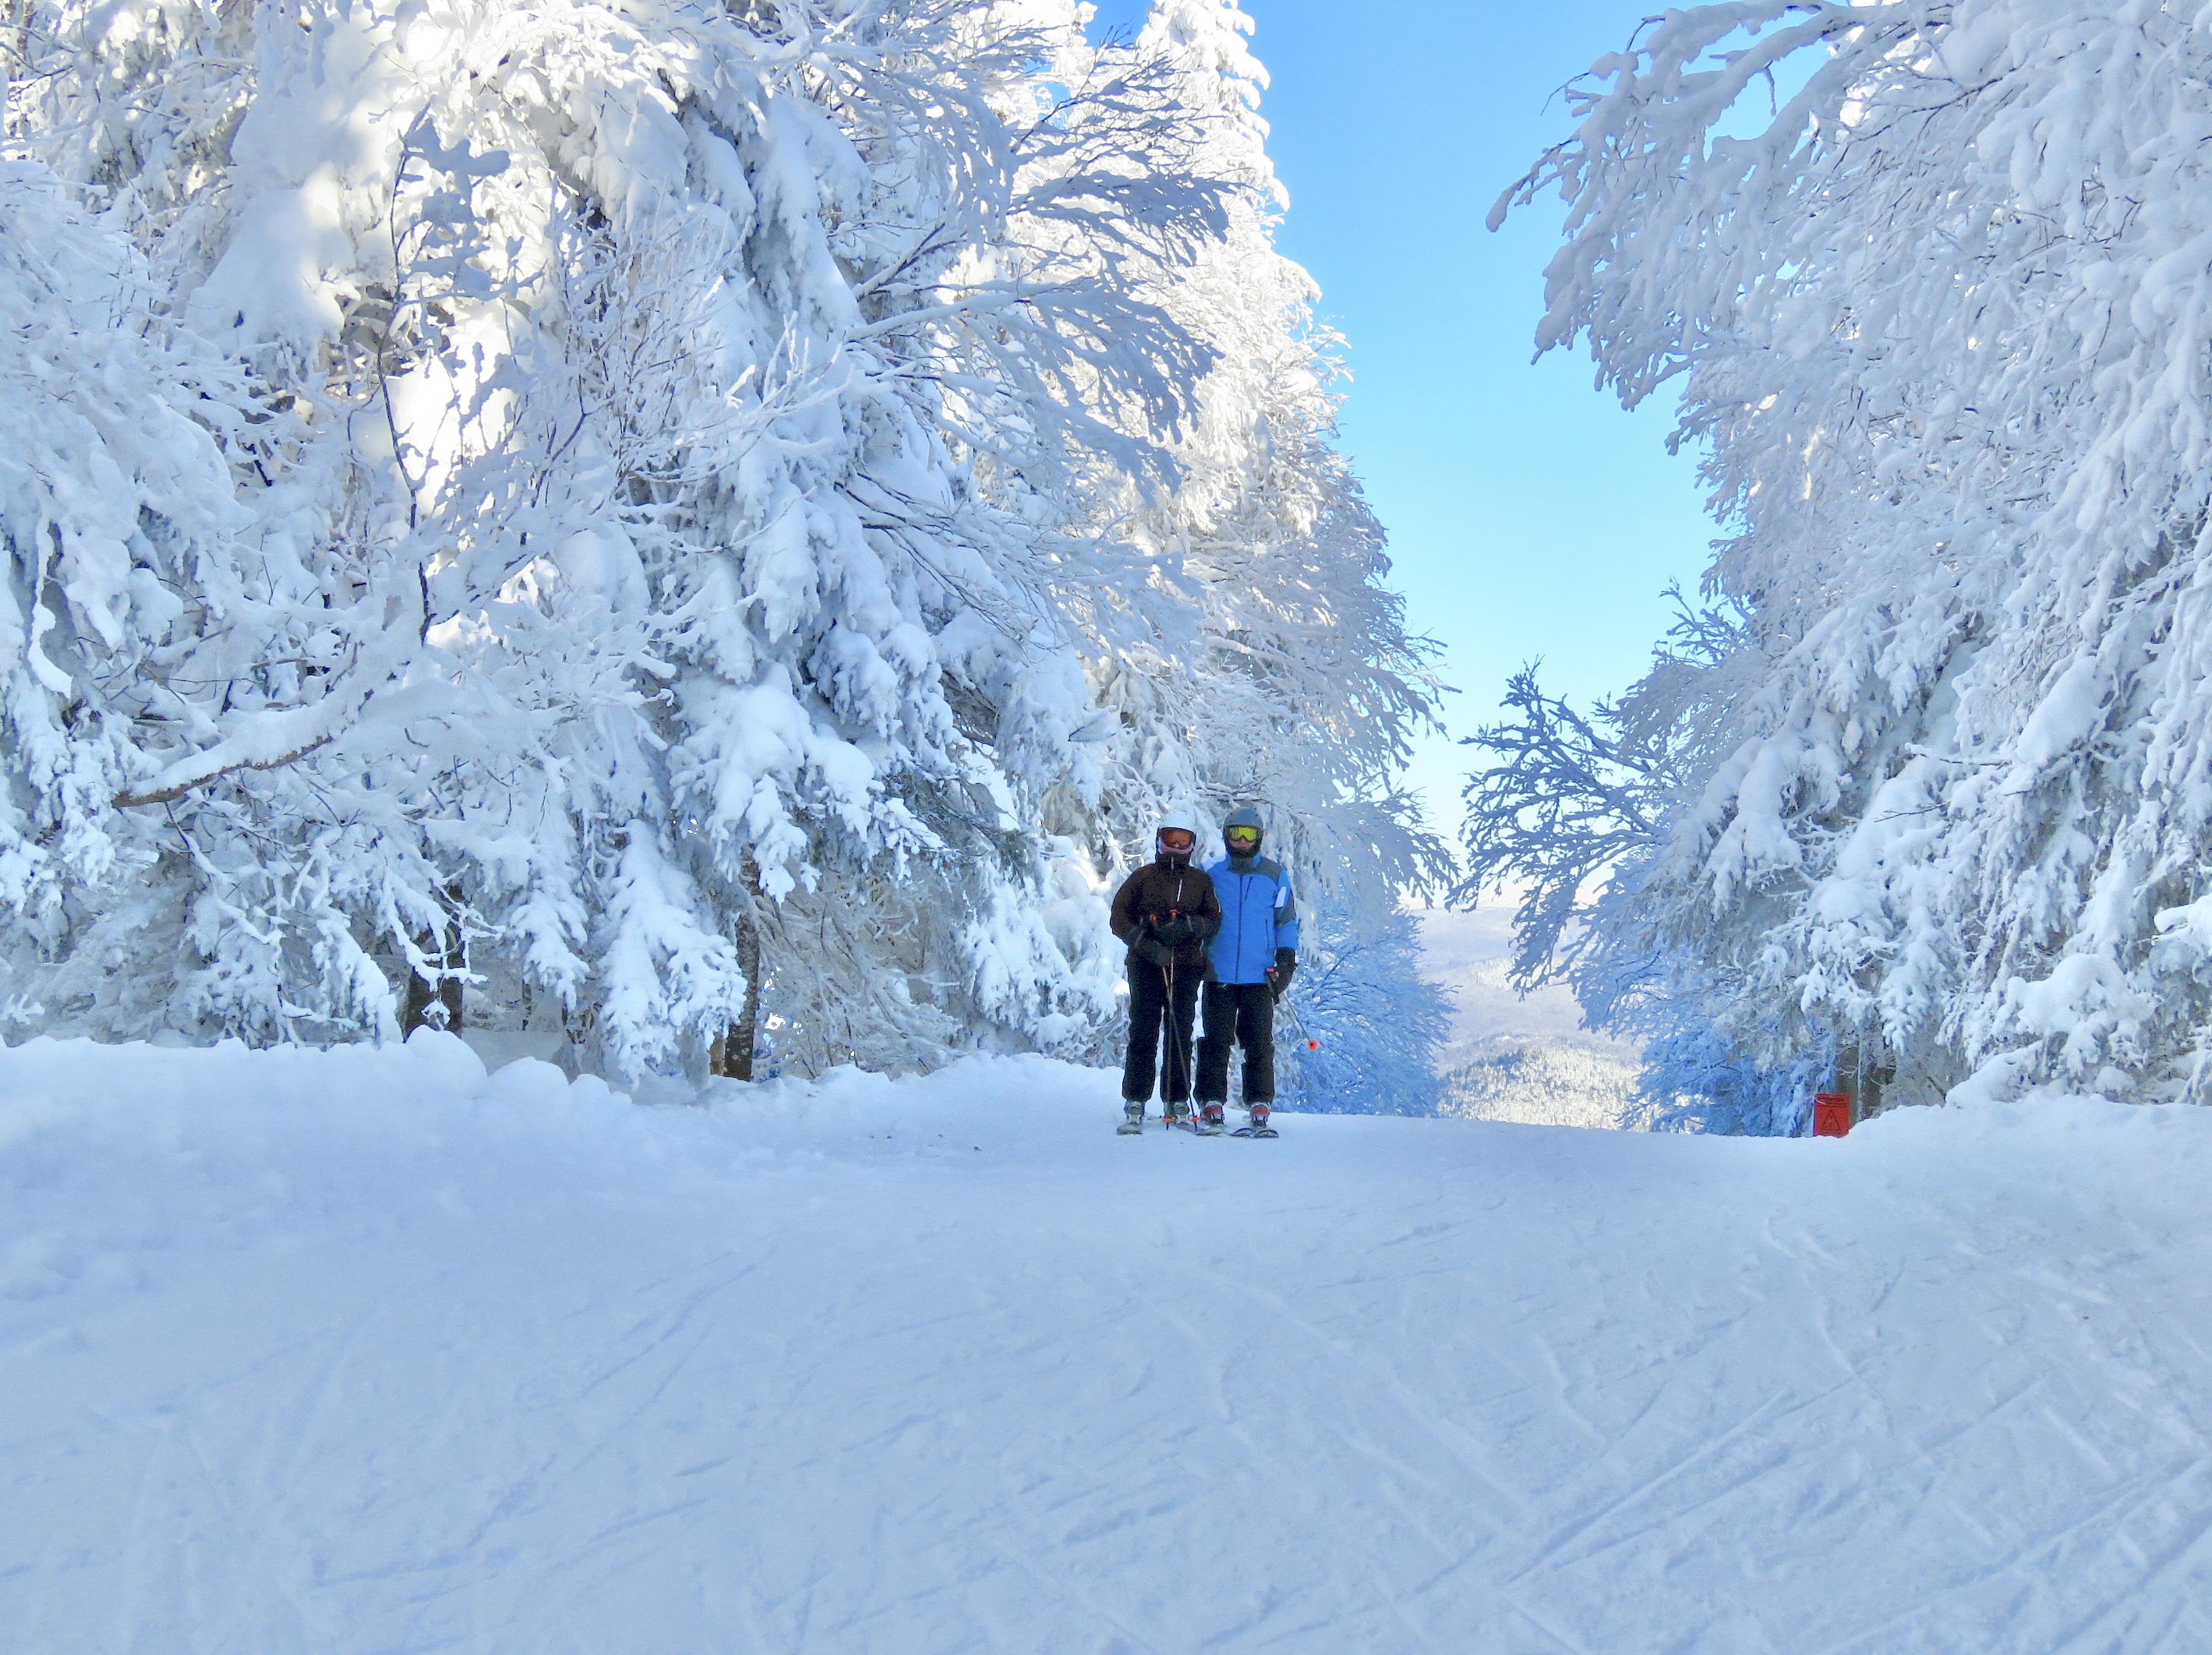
1177, 821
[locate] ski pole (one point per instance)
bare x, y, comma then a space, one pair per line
1312, 1043
1168, 1046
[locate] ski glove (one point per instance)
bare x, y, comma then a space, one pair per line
1280, 973
1174, 928
1152, 950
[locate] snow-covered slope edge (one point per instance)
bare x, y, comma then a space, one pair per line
363, 1351
131, 1151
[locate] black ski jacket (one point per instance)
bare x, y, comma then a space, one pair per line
1158, 894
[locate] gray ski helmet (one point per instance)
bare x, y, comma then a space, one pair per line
1245, 816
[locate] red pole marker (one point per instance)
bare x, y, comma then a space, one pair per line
1313, 1046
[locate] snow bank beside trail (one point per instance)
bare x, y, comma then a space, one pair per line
367, 1350
113, 1156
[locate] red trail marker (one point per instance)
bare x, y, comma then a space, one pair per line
1832, 1114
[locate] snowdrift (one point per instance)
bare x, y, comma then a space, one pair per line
365, 1350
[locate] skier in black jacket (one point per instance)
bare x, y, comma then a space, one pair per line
1167, 913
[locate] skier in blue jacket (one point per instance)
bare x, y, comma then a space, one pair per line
1249, 965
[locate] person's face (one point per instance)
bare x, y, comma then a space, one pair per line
1176, 842
1242, 840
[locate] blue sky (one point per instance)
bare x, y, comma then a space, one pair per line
1529, 517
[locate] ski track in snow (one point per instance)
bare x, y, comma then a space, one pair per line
362, 1352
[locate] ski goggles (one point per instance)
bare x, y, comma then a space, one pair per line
1177, 839
1243, 836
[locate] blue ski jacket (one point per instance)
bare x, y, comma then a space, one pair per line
1258, 916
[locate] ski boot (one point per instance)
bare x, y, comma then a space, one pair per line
1133, 1117
1178, 1115
1258, 1126
1211, 1120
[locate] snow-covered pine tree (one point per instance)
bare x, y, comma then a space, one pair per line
1940, 321
661, 499
1362, 1029
132, 567
659, 416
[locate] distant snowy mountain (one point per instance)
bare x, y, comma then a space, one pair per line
1510, 1056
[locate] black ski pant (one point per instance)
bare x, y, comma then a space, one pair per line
1238, 1014
1149, 997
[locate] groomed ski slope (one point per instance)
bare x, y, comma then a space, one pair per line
329, 1354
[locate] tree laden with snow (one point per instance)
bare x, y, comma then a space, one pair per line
1942, 324
1572, 810
630, 523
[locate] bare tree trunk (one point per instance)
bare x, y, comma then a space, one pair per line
1863, 1069
437, 1005
733, 1053
13, 53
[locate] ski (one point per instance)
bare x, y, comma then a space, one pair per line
1256, 1131
1128, 1128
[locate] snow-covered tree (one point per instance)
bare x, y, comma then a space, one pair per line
1570, 815
1939, 317
661, 415
1362, 1029
636, 507
134, 575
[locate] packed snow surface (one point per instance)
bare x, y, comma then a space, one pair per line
362, 1351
